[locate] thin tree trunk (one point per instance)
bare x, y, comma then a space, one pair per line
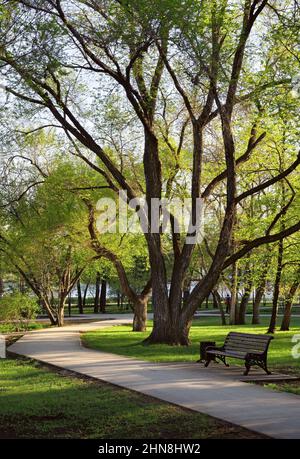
244, 302
85, 294
103, 296
97, 293
21, 285
243, 307
257, 300
62, 299
47, 307
1, 286
70, 304
272, 325
285, 325
61, 313
233, 293
218, 301
260, 290
79, 296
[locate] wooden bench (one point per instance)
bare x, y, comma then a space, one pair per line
245, 346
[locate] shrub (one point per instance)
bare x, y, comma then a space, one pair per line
18, 308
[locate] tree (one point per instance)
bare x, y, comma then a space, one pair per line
39, 241
206, 56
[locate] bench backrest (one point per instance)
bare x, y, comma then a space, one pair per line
247, 342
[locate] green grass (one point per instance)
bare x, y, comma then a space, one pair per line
12, 327
121, 340
38, 403
292, 388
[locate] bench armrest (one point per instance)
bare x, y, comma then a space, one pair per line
214, 348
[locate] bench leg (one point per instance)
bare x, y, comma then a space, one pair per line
223, 359
259, 363
248, 366
207, 362
265, 368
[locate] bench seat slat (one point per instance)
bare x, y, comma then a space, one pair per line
246, 340
244, 348
249, 335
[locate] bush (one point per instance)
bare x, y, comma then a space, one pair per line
19, 309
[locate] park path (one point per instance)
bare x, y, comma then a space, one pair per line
213, 391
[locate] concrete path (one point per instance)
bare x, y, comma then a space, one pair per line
217, 393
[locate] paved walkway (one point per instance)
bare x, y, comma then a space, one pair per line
217, 393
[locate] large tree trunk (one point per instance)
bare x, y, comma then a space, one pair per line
174, 333
140, 315
79, 296
103, 296
272, 325
285, 325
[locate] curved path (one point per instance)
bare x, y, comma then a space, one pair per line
212, 391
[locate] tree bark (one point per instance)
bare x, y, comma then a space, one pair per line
46, 305
218, 302
256, 304
285, 325
233, 295
79, 297
85, 294
171, 333
21, 285
61, 312
245, 299
260, 290
97, 293
140, 315
1, 286
272, 325
243, 306
103, 296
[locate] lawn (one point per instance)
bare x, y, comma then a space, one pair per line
36, 402
121, 340
17, 327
